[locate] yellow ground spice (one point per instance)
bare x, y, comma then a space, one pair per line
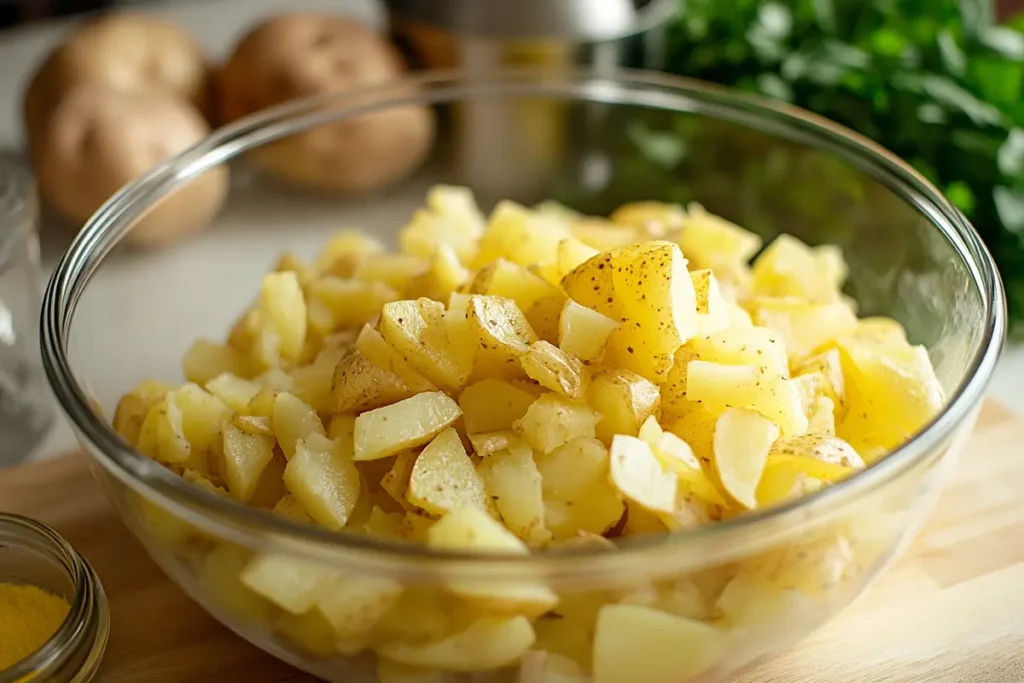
28, 617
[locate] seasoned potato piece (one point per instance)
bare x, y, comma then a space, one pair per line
489, 643
676, 456
674, 403
578, 495
552, 421
420, 336
602, 234
353, 605
312, 383
445, 274
639, 476
291, 583
556, 370
413, 422
544, 317
452, 218
591, 285
206, 359
396, 481
394, 270
134, 406
584, 333
512, 481
311, 634
359, 385
282, 314
712, 307
572, 253
324, 479
443, 478
789, 268
502, 331
756, 346
486, 444
511, 281
657, 295
789, 476
219, 577
371, 344
336, 303
490, 405
651, 218
292, 509
343, 252
634, 643
718, 387
625, 400
803, 326
710, 241
522, 236
821, 447
245, 457
742, 442
826, 371
234, 391
293, 420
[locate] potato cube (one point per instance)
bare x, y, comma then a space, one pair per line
313, 383
789, 268
718, 387
649, 218
444, 275
359, 385
422, 340
394, 270
245, 457
353, 604
310, 633
511, 281
756, 346
220, 579
639, 476
282, 313
571, 253
584, 333
472, 529
291, 583
343, 252
488, 643
206, 359
522, 236
452, 218
292, 509
827, 371
512, 481
742, 441
803, 326
591, 284
556, 370
658, 297
697, 429
486, 444
490, 405
203, 415
625, 400
324, 480
544, 317
396, 481
134, 406
443, 478
407, 424
552, 421
674, 403
371, 344
712, 307
502, 331
634, 643
293, 420
710, 241
336, 303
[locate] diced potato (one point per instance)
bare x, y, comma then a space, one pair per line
343, 252
697, 429
394, 270
490, 405
359, 385
591, 284
444, 275
134, 406
522, 236
395, 672
676, 456
789, 268
219, 577
742, 441
572, 253
639, 476
486, 444
827, 371
236, 392
552, 421
544, 317
603, 234
718, 387
513, 482
548, 667
313, 383
293, 420
756, 346
371, 344
657, 295
511, 281
292, 509
674, 403
634, 643
353, 605
337, 303
424, 343
407, 424
245, 457
443, 478
502, 331
206, 359
578, 496
712, 308
282, 313
625, 400
584, 333
291, 583
820, 447
655, 219
710, 241
556, 370
489, 643
564, 638
821, 418
803, 326
324, 479
452, 219
396, 481
310, 633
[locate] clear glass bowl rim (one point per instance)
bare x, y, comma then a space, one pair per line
234, 521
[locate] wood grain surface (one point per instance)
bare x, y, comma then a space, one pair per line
951, 610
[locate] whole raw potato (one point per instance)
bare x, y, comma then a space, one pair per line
301, 54
99, 138
124, 50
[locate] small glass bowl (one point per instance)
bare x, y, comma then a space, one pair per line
33, 553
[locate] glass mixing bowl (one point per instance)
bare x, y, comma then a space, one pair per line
762, 580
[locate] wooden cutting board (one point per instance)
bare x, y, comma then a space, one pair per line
952, 610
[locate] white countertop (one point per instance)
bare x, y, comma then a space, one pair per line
217, 255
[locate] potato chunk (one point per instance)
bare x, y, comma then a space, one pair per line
413, 422
489, 643
416, 330
578, 495
718, 387
245, 457
443, 478
625, 400
502, 331
555, 369
359, 385
513, 482
584, 333
324, 479
552, 421
639, 476
491, 405
742, 442
293, 420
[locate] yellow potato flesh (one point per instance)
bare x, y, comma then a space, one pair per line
443, 478
742, 442
413, 422
324, 480
584, 333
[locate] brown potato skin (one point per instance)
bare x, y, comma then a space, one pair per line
99, 138
124, 50
301, 54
